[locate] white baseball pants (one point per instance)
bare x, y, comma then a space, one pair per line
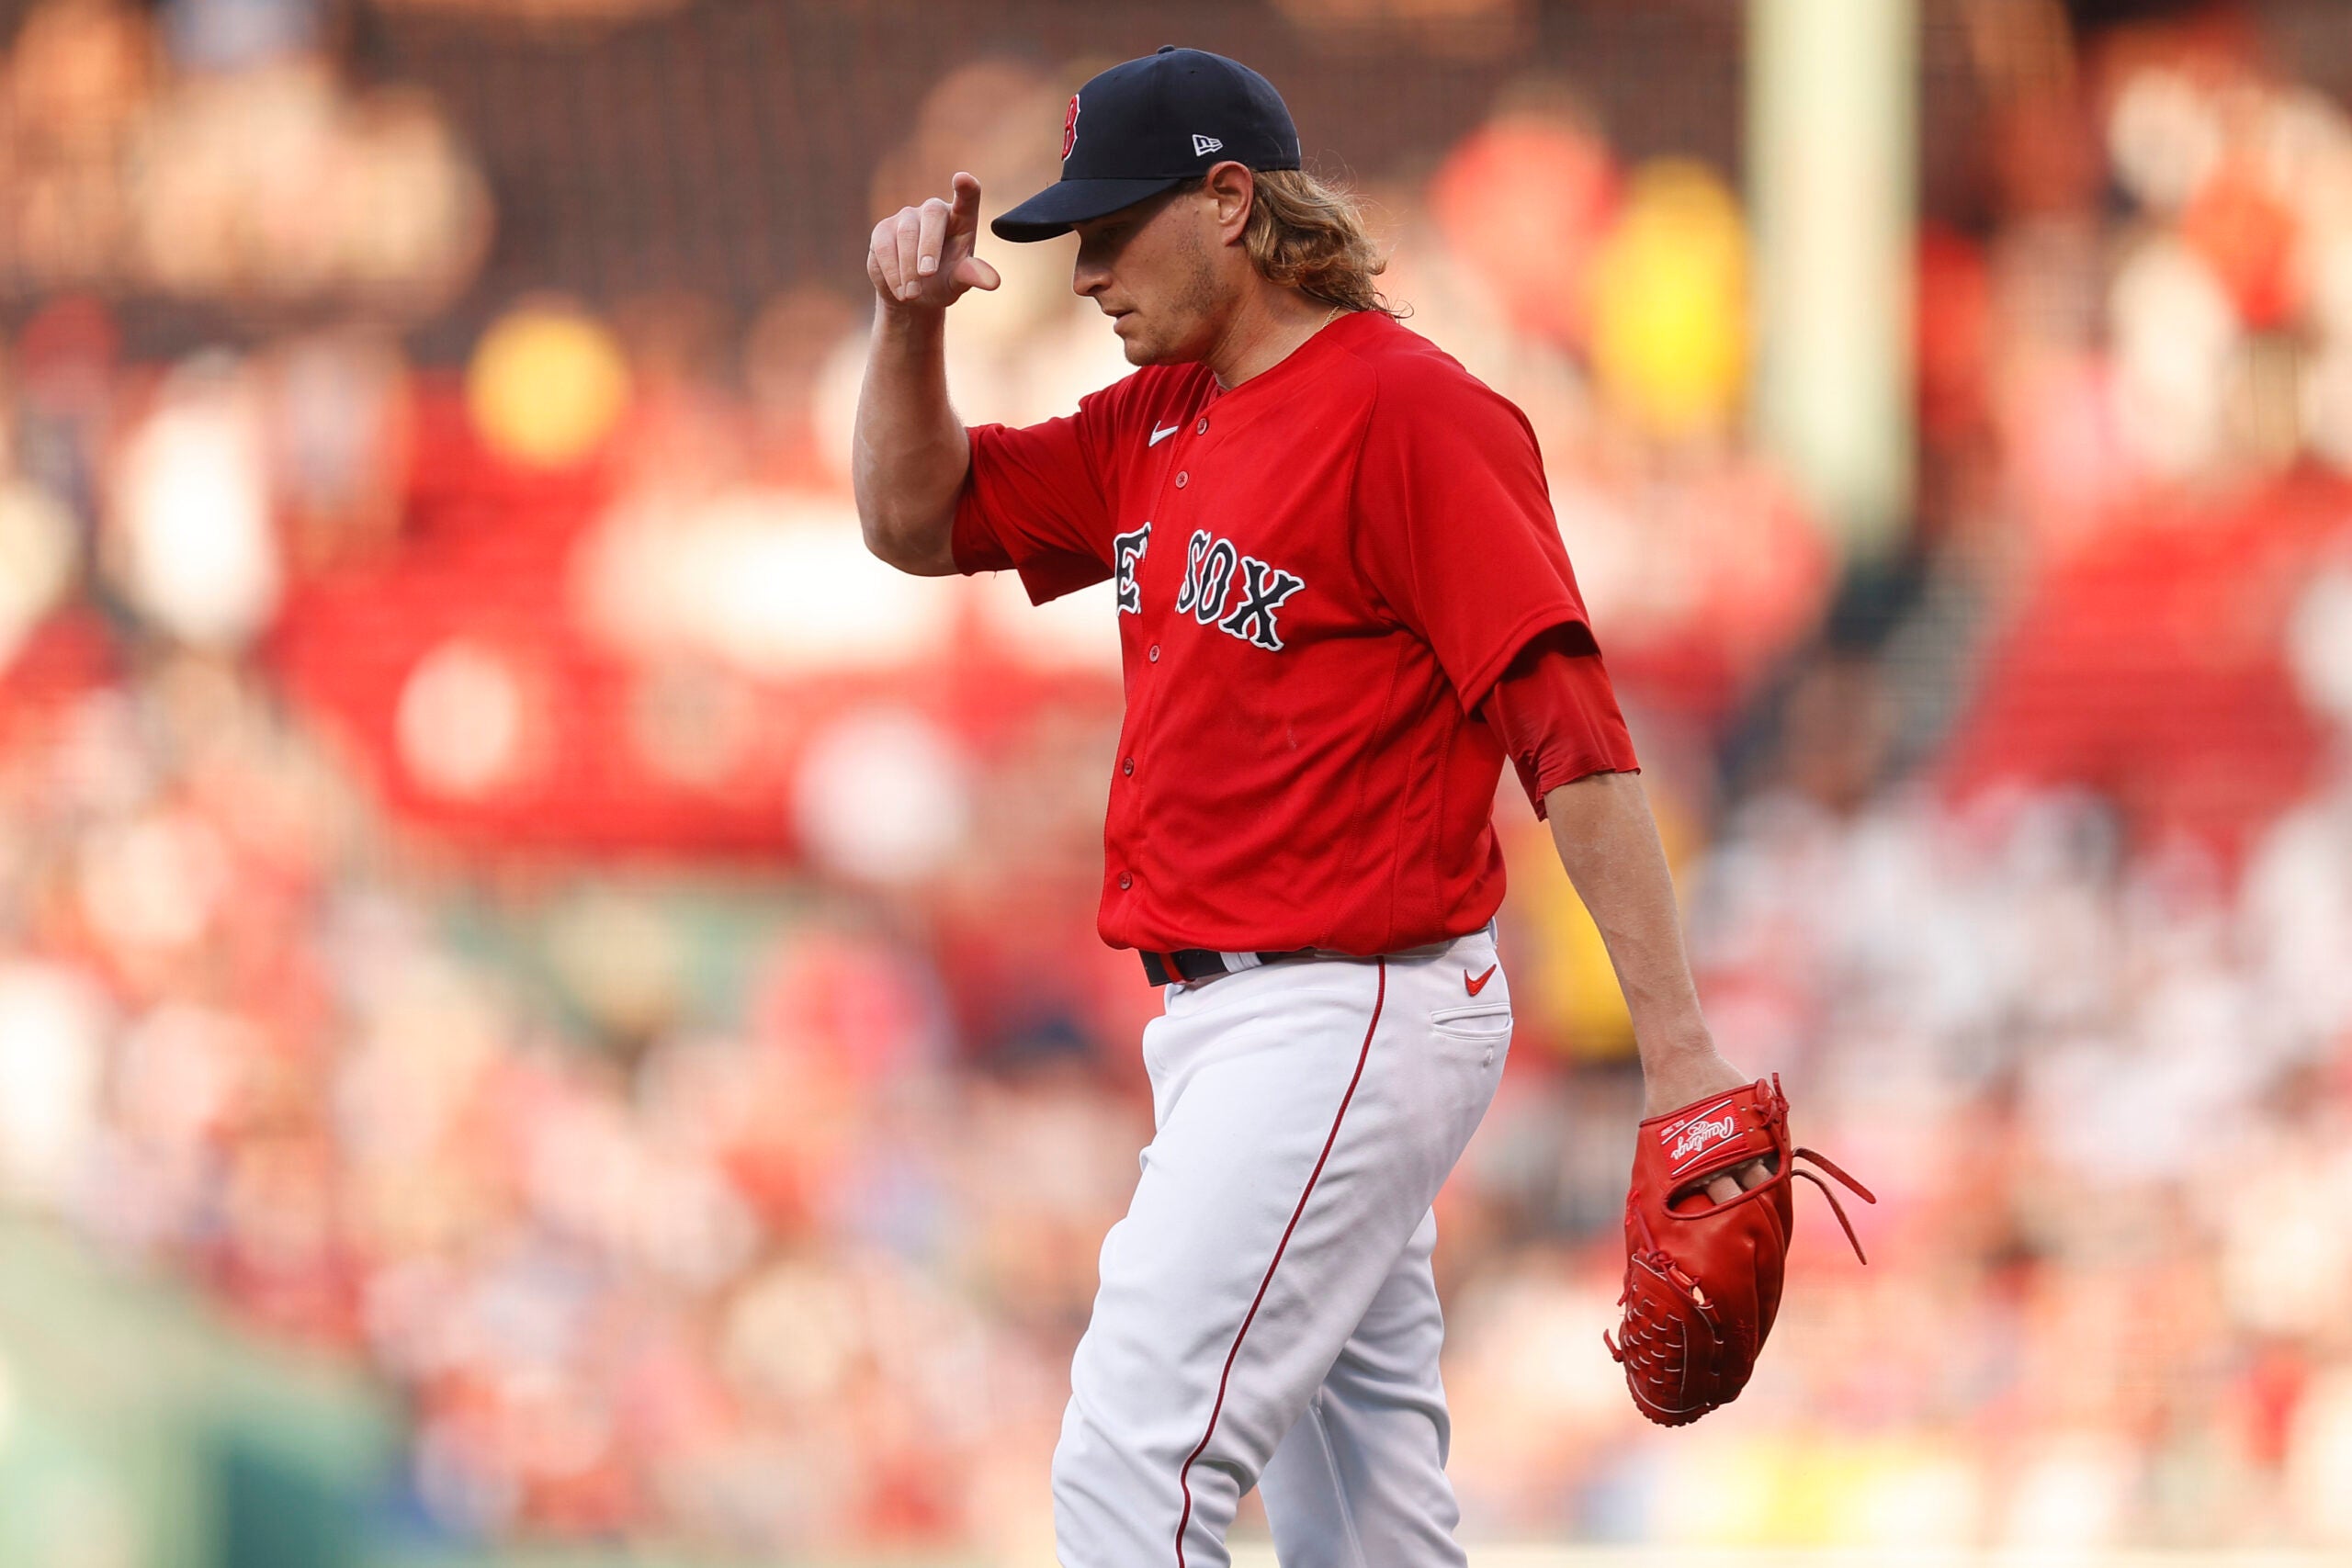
1266, 1315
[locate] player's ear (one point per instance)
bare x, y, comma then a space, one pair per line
1233, 188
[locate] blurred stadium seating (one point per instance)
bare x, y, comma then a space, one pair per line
501, 897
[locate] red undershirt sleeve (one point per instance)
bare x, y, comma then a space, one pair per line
1556, 713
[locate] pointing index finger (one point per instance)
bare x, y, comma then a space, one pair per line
963, 210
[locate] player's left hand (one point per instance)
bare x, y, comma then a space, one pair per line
1702, 1275
1693, 1076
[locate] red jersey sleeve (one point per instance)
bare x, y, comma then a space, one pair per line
1036, 498
1556, 713
1455, 528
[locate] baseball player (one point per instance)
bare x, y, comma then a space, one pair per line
1341, 601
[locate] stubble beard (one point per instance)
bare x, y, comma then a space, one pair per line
1199, 305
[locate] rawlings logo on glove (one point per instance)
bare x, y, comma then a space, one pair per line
1703, 1279
1698, 1135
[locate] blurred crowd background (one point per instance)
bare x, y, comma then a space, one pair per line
498, 892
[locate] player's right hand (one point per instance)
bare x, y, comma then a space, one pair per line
921, 257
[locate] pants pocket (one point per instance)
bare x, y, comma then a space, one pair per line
1477, 1018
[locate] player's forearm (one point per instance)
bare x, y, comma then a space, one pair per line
908, 452
1609, 844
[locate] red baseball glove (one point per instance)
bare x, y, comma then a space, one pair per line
1703, 1279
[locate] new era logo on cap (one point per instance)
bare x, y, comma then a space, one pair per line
1205, 145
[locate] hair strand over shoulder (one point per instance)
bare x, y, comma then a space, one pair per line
1308, 234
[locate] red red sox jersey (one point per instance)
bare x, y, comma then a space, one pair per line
1319, 576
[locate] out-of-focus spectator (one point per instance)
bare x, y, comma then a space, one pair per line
128, 158
192, 544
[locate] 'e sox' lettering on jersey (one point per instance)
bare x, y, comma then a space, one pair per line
1213, 568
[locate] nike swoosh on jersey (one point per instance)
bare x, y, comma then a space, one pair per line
1475, 986
1159, 436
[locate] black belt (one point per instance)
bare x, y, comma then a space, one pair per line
1200, 963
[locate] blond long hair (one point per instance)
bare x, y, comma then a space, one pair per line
1308, 234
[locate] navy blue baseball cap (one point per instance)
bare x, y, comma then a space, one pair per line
1149, 124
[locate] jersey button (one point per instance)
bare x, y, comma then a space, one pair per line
1125, 881
1127, 768
1154, 654
1182, 478
1201, 428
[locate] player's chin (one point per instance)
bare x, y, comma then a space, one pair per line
1146, 348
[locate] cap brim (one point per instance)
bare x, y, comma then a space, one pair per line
1065, 202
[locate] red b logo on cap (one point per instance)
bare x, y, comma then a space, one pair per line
1069, 128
